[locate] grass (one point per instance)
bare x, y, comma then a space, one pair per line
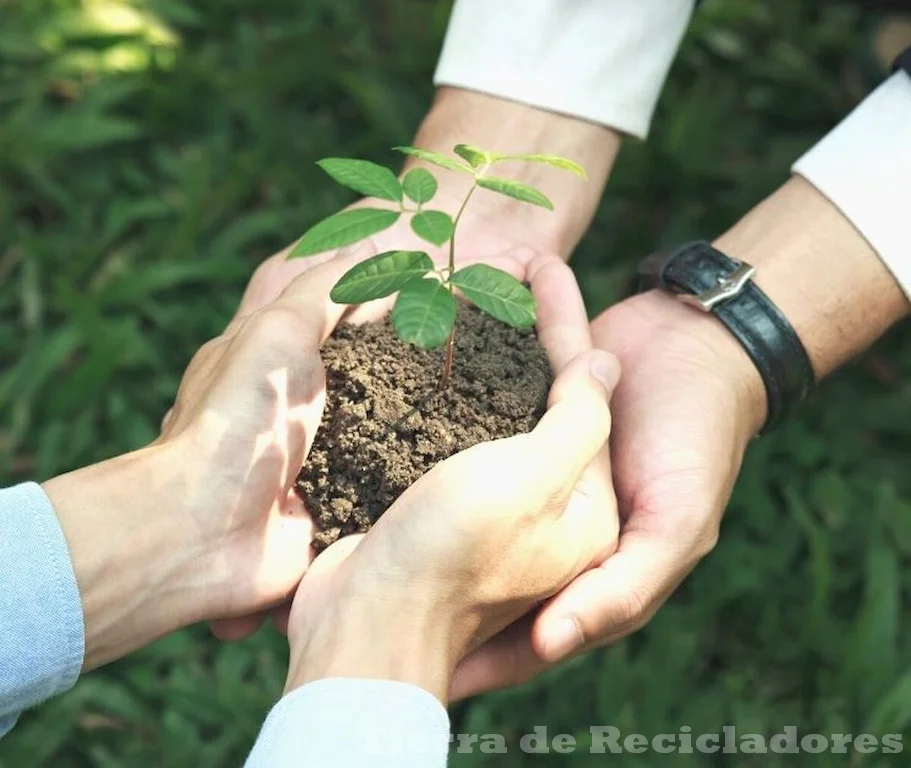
153, 152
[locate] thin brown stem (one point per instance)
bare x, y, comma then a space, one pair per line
449, 355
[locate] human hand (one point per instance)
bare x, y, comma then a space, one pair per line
203, 522
465, 551
684, 411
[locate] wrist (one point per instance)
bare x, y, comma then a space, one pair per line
459, 116
132, 550
372, 637
706, 349
819, 271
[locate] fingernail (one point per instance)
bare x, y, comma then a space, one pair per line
562, 639
605, 368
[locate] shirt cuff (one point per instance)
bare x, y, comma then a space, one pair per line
42, 642
600, 60
348, 721
864, 168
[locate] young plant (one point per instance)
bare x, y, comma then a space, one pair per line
426, 308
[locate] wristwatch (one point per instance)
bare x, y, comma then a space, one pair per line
704, 278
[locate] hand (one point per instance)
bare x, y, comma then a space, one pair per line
497, 224
563, 331
464, 552
203, 522
684, 411
688, 405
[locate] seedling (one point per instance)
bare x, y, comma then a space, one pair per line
426, 308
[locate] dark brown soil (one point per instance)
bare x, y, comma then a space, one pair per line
386, 422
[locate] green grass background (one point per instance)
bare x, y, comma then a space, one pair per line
153, 152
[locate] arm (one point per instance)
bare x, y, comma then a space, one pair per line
831, 250
544, 77
201, 524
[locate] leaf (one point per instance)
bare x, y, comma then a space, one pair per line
433, 226
424, 313
380, 276
434, 157
343, 229
515, 189
420, 185
475, 156
554, 160
363, 176
498, 294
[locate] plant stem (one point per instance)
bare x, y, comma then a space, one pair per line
450, 342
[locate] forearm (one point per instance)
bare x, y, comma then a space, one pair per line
559, 78
133, 557
815, 266
466, 117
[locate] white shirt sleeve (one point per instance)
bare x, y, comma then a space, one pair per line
354, 723
864, 167
600, 60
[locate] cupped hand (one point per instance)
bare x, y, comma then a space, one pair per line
562, 329
245, 416
465, 551
686, 408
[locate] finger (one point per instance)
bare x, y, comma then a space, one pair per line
577, 422
505, 660
237, 628
270, 279
611, 601
563, 328
309, 290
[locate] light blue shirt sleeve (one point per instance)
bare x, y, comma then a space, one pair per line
42, 635
354, 723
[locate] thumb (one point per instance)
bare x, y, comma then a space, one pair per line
611, 601
577, 422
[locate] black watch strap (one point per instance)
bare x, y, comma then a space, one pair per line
705, 278
903, 61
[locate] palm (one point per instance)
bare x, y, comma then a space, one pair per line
677, 443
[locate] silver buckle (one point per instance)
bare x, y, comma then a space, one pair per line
728, 287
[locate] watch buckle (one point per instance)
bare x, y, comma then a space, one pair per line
728, 287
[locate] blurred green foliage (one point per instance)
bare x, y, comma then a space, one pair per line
153, 152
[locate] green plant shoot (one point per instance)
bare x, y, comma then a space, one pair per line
426, 308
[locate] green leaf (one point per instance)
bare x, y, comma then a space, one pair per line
343, 229
363, 176
380, 276
516, 189
498, 294
475, 156
424, 313
435, 157
554, 160
419, 185
433, 226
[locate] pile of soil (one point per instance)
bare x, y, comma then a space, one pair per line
387, 422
